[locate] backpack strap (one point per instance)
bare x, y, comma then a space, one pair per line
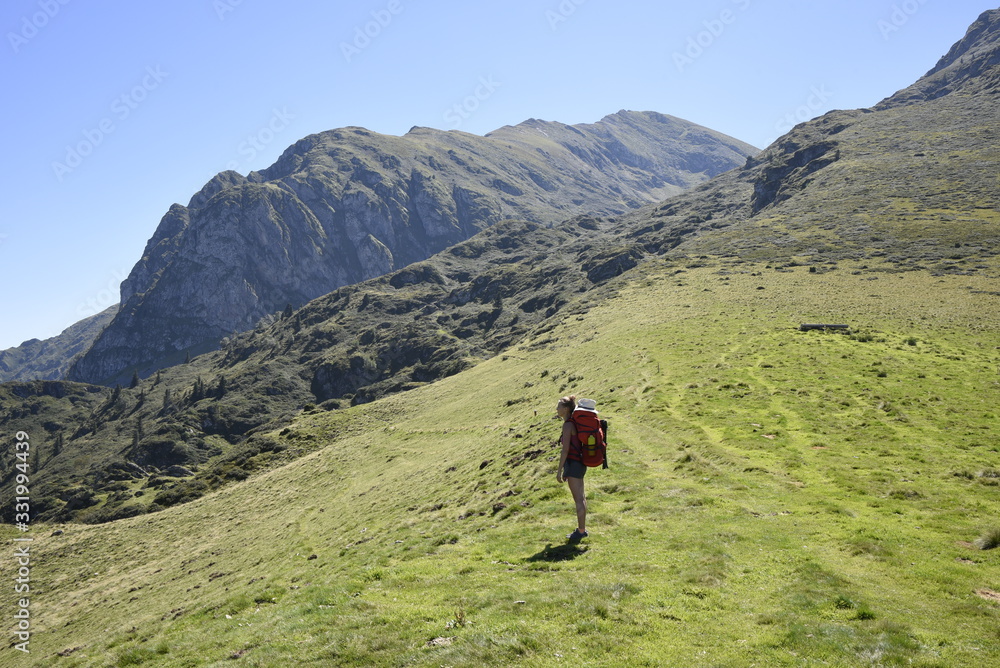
604, 428
575, 446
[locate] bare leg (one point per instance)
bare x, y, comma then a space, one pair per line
580, 498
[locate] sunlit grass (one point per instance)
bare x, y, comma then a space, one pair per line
772, 498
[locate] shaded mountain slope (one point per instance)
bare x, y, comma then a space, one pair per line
347, 205
393, 333
50, 359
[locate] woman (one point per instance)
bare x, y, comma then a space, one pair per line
571, 468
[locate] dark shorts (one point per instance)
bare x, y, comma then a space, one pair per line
574, 469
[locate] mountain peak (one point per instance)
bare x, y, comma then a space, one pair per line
982, 39
972, 65
345, 205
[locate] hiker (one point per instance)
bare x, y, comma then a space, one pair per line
571, 465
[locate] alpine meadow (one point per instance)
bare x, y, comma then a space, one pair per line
367, 477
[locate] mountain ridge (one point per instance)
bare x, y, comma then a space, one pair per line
909, 179
969, 65
346, 205
50, 359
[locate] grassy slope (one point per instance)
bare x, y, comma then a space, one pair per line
776, 498
913, 185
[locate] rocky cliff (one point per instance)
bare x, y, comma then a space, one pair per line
347, 205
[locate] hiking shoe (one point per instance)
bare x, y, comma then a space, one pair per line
576, 536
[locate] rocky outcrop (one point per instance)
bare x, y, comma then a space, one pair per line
348, 205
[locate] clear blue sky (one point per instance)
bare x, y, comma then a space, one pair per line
117, 109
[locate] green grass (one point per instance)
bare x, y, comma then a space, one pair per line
776, 497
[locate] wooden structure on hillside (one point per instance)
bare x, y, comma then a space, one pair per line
805, 328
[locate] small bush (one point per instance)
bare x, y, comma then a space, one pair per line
844, 603
181, 493
989, 540
864, 613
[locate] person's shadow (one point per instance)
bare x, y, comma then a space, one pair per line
559, 553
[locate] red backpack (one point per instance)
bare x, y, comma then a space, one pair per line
591, 447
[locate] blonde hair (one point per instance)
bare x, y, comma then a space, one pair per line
569, 401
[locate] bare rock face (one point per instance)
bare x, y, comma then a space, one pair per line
347, 205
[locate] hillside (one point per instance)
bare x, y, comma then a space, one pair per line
911, 185
196, 426
50, 359
911, 180
347, 205
890, 207
775, 497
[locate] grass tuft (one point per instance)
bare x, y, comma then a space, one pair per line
989, 540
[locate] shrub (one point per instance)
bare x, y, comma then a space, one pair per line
844, 603
864, 613
989, 540
181, 493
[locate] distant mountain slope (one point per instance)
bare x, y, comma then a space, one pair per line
912, 180
50, 359
347, 205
